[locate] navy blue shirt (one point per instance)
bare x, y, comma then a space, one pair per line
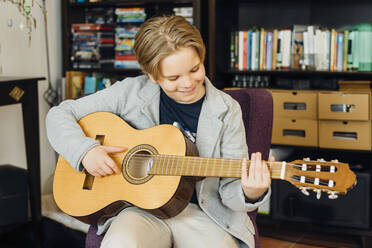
185, 114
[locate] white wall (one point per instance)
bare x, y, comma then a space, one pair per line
17, 58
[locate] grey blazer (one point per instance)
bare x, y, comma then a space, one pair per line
220, 133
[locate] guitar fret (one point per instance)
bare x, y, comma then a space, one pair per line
212, 168
199, 170
181, 169
221, 170
193, 168
205, 167
229, 170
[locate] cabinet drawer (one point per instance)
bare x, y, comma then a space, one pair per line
355, 135
297, 132
295, 104
344, 106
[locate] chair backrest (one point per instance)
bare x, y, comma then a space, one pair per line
257, 109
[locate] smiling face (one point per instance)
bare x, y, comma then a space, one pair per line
183, 76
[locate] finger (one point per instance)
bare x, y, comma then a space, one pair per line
91, 172
252, 167
266, 176
258, 169
107, 169
272, 159
100, 172
112, 165
244, 170
114, 149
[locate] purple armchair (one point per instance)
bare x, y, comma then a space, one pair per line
257, 108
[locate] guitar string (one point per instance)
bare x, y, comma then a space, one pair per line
141, 158
234, 169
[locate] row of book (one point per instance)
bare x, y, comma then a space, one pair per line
77, 84
92, 46
106, 39
301, 48
130, 20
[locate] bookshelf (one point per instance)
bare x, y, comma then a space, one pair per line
269, 14
224, 17
74, 12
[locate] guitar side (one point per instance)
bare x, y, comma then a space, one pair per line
163, 196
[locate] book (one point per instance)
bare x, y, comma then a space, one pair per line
298, 47
279, 50
340, 51
345, 50
286, 48
275, 47
269, 50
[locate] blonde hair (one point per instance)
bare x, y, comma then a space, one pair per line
159, 37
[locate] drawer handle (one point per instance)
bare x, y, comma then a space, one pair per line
345, 135
295, 105
292, 132
345, 108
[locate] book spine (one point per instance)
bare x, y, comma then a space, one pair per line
345, 50
269, 51
350, 51
327, 47
232, 50
275, 48
286, 49
241, 50
279, 50
333, 45
249, 50
245, 52
254, 51
355, 51
262, 48
340, 48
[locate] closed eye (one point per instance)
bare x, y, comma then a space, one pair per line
173, 78
195, 69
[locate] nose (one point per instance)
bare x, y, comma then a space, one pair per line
187, 81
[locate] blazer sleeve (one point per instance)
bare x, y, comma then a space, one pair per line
63, 131
233, 145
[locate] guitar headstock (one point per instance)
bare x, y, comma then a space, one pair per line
321, 176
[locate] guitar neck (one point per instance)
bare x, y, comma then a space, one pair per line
204, 167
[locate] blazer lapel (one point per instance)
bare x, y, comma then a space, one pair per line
210, 124
150, 95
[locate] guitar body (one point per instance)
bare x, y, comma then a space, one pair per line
92, 199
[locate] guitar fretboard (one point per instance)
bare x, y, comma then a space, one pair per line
204, 167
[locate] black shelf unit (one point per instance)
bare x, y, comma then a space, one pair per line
228, 16
74, 13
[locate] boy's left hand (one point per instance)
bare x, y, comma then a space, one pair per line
257, 179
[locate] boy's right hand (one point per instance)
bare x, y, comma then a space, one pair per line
98, 162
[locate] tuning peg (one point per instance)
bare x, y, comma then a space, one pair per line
304, 191
335, 161
332, 195
306, 159
318, 194
321, 160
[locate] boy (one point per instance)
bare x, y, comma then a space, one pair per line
171, 53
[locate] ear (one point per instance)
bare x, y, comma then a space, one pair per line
152, 78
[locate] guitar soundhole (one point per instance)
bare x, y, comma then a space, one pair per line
137, 162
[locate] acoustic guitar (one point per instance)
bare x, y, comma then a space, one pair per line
160, 168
